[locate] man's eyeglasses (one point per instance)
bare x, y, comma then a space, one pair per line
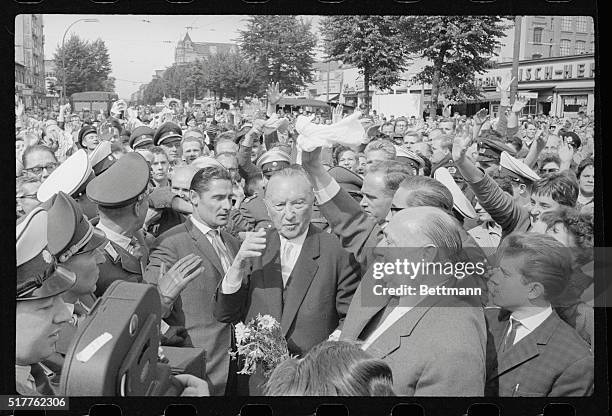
31, 196
37, 170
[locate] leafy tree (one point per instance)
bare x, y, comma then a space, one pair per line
87, 66
231, 74
458, 47
371, 43
154, 91
282, 48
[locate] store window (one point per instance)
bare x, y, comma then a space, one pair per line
580, 47
592, 49
531, 108
537, 35
565, 47
573, 103
566, 23
581, 24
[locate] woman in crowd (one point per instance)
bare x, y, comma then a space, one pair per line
332, 368
586, 181
346, 158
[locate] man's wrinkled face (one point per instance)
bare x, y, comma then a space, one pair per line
289, 203
231, 164
181, 181
38, 324
26, 197
400, 127
40, 164
376, 200
530, 132
91, 141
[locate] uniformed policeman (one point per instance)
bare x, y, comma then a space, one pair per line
72, 178
102, 157
489, 151
141, 138
169, 136
521, 176
348, 180
120, 193
40, 310
461, 205
73, 241
409, 157
85, 131
253, 207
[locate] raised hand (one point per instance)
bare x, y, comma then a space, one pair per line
172, 282
252, 246
566, 153
274, 96
481, 116
505, 83
518, 105
461, 143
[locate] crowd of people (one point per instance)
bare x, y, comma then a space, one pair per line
229, 216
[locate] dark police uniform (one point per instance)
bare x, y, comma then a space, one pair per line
121, 185
141, 137
38, 277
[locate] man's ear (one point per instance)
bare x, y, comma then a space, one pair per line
536, 290
430, 253
522, 188
194, 197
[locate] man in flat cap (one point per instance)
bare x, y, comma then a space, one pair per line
40, 310
490, 150
169, 136
72, 178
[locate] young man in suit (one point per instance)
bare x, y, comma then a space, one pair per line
201, 234
532, 352
298, 274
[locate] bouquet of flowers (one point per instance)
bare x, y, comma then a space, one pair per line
260, 342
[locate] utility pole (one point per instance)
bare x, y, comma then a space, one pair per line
328, 68
515, 57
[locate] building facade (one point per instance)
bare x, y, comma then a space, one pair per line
188, 51
558, 86
550, 37
52, 86
29, 54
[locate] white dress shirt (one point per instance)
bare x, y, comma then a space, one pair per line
528, 325
290, 251
392, 318
121, 240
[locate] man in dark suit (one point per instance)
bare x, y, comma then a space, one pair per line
531, 352
210, 195
303, 278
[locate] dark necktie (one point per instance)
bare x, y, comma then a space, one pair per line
509, 341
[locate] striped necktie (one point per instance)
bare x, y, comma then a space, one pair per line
222, 252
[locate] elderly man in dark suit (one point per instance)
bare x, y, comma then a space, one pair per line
201, 234
532, 352
303, 277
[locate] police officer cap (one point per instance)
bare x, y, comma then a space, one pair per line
102, 157
449, 165
347, 179
38, 277
122, 183
68, 230
404, 155
85, 130
460, 201
273, 160
490, 149
71, 177
515, 169
167, 133
142, 136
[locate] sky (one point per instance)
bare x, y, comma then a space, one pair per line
140, 44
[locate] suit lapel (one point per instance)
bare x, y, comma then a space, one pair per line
301, 277
204, 246
358, 314
390, 339
526, 348
272, 277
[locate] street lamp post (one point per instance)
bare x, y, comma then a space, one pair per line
64, 53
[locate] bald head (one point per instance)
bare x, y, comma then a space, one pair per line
181, 180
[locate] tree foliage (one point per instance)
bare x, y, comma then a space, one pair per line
226, 74
371, 43
87, 66
458, 47
282, 49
